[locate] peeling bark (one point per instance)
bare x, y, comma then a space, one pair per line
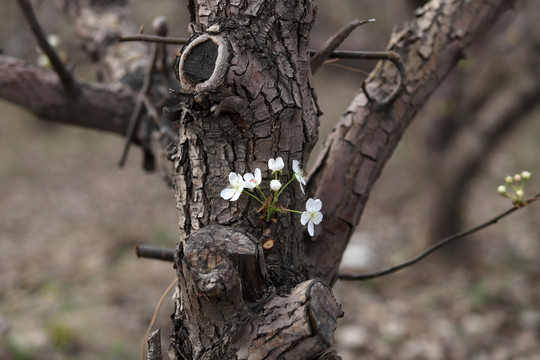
230, 309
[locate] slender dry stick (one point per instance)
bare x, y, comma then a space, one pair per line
152, 252
376, 55
135, 115
321, 55
156, 311
445, 241
154, 39
153, 114
65, 76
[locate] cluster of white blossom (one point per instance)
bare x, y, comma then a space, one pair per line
516, 183
246, 184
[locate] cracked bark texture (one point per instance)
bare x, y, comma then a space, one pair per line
255, 103
258, 106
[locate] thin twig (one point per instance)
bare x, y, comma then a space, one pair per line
445, 241
135, 115
154, 39
333, 42
377, 55
65, 76
152, 252
156, 311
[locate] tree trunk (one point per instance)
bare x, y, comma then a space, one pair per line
247, 97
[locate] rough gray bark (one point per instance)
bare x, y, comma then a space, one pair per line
254, 101
222, 274
256, 104
259, 106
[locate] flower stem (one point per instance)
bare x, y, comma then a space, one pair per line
258, 188
293, 211
284, 186
253, 196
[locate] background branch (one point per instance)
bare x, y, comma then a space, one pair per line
436, 246
56, 63
98, 106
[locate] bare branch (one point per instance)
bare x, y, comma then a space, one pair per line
151, 343
152, 252
154, 39
57, 64
332, 44
436, 246
97, 106
134, 119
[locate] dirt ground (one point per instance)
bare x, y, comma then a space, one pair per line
72, 288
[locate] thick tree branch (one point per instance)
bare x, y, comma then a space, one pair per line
364, 139
98, 106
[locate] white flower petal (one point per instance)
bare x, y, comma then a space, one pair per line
309, 205
317, 218
304, 218
227, 193
258, 177
272, 164
279, 163
301, 187
250, 181
275, 185
296, 166
232, 178
239, 181
310, 228
317, 205
236, 195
